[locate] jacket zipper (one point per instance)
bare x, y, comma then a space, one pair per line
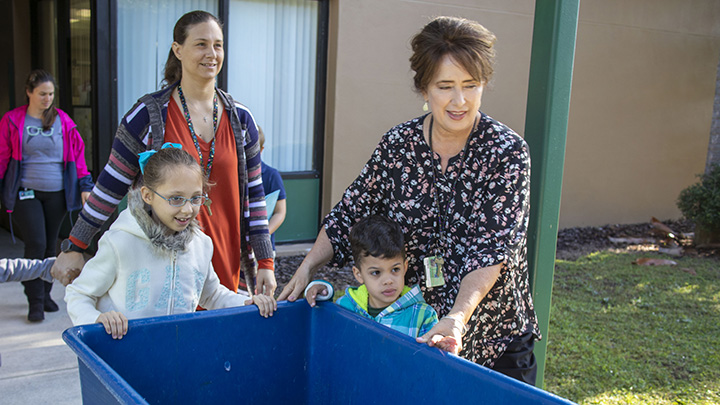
171, 301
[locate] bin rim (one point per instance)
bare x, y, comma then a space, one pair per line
106, 375
458, 362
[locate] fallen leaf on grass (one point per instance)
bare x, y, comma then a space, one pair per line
688, 270
662, 228
646, 261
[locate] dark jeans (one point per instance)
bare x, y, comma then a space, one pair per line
518, 361
37, 221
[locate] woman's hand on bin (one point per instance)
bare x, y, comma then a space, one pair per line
115, 323
445, 335
265, 303
447, 343
321, 253
295, 287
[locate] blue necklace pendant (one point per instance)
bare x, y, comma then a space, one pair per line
186, 112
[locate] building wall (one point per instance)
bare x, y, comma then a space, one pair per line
641, 105
641, 108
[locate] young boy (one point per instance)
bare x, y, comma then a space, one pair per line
272, 182
378, 246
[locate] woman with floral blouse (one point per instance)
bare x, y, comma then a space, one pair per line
458, 182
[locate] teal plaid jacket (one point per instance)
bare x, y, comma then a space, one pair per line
409, 315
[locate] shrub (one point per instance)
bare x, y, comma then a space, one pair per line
700, 202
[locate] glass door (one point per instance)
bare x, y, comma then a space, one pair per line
81, 73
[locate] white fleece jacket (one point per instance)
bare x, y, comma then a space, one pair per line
143, 276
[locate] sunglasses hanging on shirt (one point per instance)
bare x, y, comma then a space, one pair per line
34, 131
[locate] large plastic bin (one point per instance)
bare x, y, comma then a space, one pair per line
302, 355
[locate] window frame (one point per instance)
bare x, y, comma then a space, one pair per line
105, 76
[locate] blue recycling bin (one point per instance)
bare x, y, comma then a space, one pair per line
302, 355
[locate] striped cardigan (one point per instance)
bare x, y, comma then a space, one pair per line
143, 128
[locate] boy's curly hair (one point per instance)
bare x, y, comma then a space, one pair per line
376, 236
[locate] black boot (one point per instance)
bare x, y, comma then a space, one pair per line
35, 292
49, 304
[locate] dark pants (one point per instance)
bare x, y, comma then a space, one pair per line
518, 361
37, 221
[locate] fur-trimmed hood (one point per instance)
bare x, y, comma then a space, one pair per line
154, 231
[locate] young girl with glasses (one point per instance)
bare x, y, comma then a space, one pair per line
154, 260
43, 176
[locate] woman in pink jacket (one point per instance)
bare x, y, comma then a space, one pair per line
43, 176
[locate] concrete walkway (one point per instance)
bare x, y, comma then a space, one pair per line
37, 367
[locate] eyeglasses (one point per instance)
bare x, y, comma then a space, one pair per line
178, 201
33, 131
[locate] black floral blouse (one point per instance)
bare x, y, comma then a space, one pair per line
485, 218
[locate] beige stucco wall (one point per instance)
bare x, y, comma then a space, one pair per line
641, 105
641, 108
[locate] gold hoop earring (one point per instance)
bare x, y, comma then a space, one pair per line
425, 107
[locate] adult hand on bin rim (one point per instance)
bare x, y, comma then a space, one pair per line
473, 289
67, 267
445, 335
321, 253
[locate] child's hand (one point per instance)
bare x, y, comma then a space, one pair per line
313, 291
265, 303
319, 290
115, 323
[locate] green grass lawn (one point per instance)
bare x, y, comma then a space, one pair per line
627, 334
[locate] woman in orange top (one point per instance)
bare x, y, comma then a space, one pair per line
219, 132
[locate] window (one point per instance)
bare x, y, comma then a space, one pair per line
274, 64
144, 36
271, 61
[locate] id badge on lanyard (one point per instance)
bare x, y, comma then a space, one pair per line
26, 194
434, 276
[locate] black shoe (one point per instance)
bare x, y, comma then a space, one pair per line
50, 305
35, 292
36, 313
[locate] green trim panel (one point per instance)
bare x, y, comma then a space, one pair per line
551, 66
302, 219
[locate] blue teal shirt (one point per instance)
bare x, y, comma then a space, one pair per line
272, 181
409, 315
